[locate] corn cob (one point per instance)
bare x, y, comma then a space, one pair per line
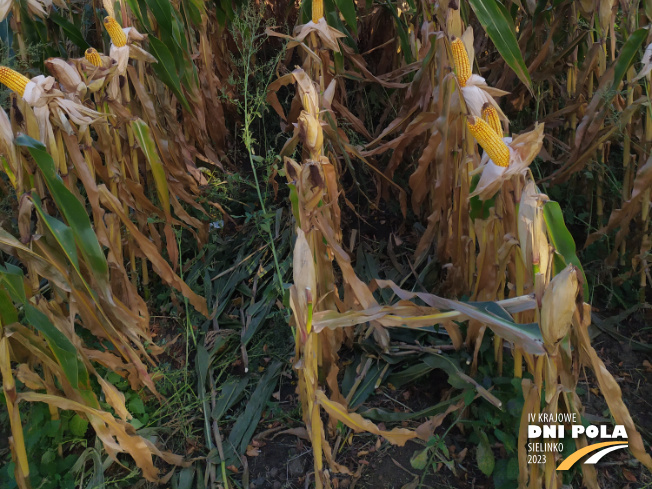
93, 57
490, 141
13, 80
461, 61
108, 6
317, 10
490, 114
118, 37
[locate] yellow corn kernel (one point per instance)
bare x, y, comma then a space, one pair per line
317, 10
490, 141
118, 37
13, 80
461, 60
490, 114
93, 57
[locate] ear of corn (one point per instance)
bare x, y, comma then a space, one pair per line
317, 10
108, 6
490, 114
13, 80
93, 57
461, 60
490, 141
118, 37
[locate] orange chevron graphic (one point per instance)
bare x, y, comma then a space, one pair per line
570, 461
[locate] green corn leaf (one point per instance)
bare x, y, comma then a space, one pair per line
62, 233
498, 24
406, 49
148, 146
347, 7
562, 240
140, 11
8, 312
166, 69
162, 11
12, 278
73, 211
627, 54
64, 351
73, 33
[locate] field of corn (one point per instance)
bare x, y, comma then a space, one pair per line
322, 243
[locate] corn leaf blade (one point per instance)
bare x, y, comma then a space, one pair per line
148, 146
498, 24
73, 211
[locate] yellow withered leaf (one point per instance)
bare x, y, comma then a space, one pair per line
117, 436
115, 398
9, 388
397, 436
148, 249
28, 377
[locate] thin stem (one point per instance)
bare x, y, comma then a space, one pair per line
247, 141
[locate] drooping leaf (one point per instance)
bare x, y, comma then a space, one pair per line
64, 351
347, 7
166, 69
627, 54
397, 436
73, 33
62, 233
498, 24
73, 211
562, 240
148, 146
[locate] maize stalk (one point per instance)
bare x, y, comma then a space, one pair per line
461, 60
93, 57
490, 114
490, 141
13, 80
118, 36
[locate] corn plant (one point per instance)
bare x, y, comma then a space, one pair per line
129, 172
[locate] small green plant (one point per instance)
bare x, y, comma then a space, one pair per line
51, 445
250, 38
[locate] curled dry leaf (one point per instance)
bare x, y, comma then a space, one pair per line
117, 436
397, 436
610, 388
